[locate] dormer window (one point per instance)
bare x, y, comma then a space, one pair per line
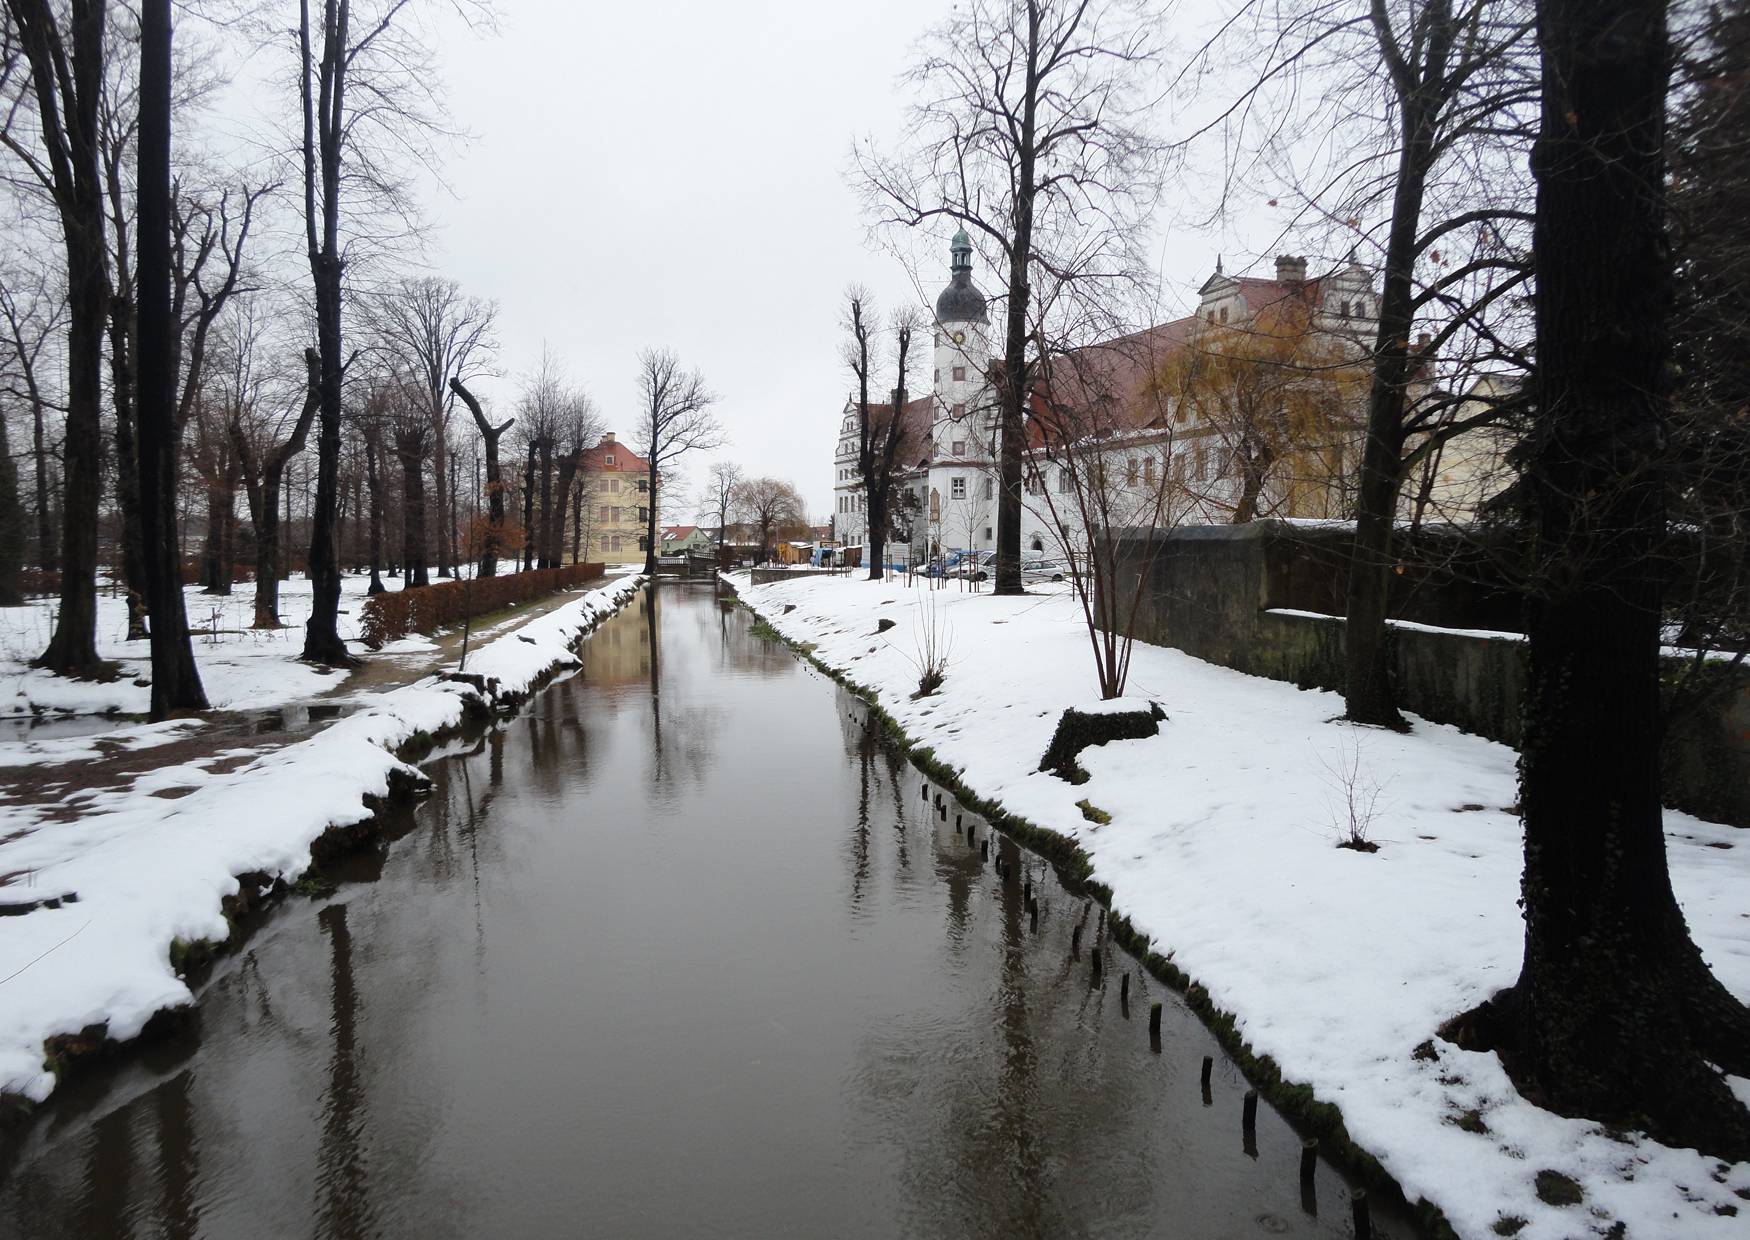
610, 458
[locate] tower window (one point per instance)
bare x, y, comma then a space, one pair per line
957, 488
960, 374
959, 411
959, 447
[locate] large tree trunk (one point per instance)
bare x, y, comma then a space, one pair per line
1367, 691
875, 534
323, 135
1615, 1016
176, 683
410, 450
374, 484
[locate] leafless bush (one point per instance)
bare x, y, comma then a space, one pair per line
1354, 802
933, 639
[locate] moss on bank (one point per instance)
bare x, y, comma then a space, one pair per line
1074, 867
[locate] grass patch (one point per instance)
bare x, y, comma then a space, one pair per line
1093, 813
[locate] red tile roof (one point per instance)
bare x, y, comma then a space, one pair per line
626, 461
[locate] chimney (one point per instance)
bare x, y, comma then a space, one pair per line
1291, 269
607, 436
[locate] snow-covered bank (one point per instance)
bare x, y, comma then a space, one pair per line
1337, 964
148, 872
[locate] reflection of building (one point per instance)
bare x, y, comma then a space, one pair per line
618, 653
617, 486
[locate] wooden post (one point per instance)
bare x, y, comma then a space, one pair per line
1363, 1220
1075, 941
1098, 965
1154, 1020
1124, 989
1249, 1111
1309, 1159
1208, 1067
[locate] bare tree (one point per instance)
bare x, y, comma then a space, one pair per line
368, 94
773, 507
1615, 1015
436, 334
675, 418
64, 51
1028, 133
32, 315
880, 435
725, 478
264, 467
492, 541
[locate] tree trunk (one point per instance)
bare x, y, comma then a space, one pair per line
122, 382
46, 549
1615, 1016
650, 545
410, 450
577, 524
529, 510
1367, 692
176, 683
489, 435
440, 480
374, 484
544, 532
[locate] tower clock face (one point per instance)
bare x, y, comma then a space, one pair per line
959, 337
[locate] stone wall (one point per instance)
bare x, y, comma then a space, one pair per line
1258, 598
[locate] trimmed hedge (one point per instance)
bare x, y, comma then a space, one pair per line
394, 614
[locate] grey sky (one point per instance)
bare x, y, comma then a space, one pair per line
672, 174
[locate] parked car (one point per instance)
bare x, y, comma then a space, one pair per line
1043, 570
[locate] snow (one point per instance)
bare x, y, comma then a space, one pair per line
241, 667
148, 870
1336, 963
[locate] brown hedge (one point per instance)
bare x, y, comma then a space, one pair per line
394, 614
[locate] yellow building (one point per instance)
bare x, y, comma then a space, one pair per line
616, 495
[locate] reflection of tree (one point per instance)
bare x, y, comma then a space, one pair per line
178, 1159
683, 731
344, 1209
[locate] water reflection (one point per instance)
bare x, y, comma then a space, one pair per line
672, 954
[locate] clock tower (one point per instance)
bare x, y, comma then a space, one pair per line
962, 352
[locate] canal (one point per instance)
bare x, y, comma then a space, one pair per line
683, 949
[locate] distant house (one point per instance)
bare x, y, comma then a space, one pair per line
617, 490
686, 540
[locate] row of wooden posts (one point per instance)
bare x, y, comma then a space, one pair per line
1309, 1146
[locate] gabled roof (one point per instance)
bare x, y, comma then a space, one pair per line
914, 431
626, 461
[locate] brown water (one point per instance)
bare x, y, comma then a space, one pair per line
684, 950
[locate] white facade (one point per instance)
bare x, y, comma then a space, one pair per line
954, 489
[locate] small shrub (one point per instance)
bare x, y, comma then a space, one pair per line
1093, 813
1556, 1189
1356, 800
394, 614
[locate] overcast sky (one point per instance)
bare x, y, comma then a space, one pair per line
668, 174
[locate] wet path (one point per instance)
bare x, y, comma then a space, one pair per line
681, 951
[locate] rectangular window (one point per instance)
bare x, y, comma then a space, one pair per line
605, 511
1130, 471
644, 514
960, 374
959, 448
1148, 470
609, 458
989, 488
957, 488
1202, 463
1063, 482
938, 374
959, 411
1179, 467
643, 485
615, 542
987, 533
